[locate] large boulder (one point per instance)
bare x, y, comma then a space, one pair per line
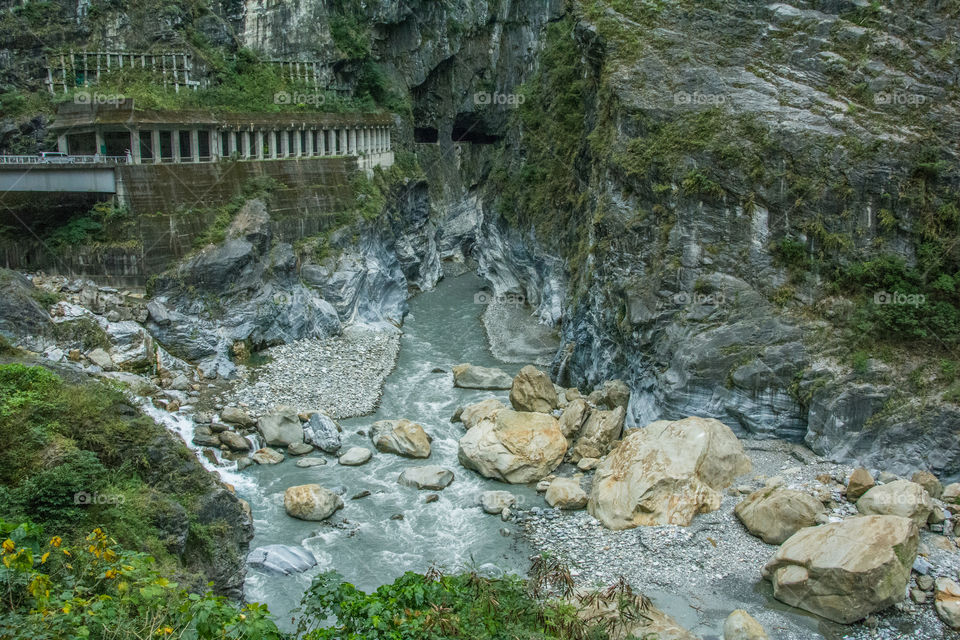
566, 493
355, 456
322, 432
429, 477
740, 625
237, 416
474, 414
310, 502
515, 447
946, 601
613, 394
600, 431
468, 376
846, 570
774, 514
21, 316
859, 483
532, 390
281, 429
666, 473
898, 498
234, 441
494, 502
281, 559
401, 437
573, 417
951, 493
267, 456
929, 482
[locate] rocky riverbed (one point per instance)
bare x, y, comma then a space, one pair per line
341, 375
699, 573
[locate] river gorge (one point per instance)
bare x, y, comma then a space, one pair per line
620, 318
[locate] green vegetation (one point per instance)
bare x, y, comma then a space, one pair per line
542, 190
50, 588
903, 303
726, 148
435, 606
105, 223
349, 28
66, 444
260, 187
83, 332
241, 83
95, 589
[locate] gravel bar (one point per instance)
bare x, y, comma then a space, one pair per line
342, 375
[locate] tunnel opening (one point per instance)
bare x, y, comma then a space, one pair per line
426, 135
473, 128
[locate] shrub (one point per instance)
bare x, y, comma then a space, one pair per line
902, 303
99, 590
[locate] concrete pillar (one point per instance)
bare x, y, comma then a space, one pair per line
231, 143
134, 146
386, 131
272, 137
378, 145
365, 142
321, 142
175, 145
62, 143
195, 145
309, 137
101, 147
258, 143
353, 141
284, 144
343, 142
245, 151
213, 141
297, 143
155, 144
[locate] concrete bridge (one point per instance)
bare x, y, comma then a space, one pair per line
104, 144
28, 173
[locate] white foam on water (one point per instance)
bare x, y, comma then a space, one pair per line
183, 426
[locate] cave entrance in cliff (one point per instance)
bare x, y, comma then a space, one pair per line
472, 128
426, 135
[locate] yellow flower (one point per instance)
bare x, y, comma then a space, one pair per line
44, 557
111, 574
55, 541
109, 555
66, 608
167, 630
65, 552
8, 546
